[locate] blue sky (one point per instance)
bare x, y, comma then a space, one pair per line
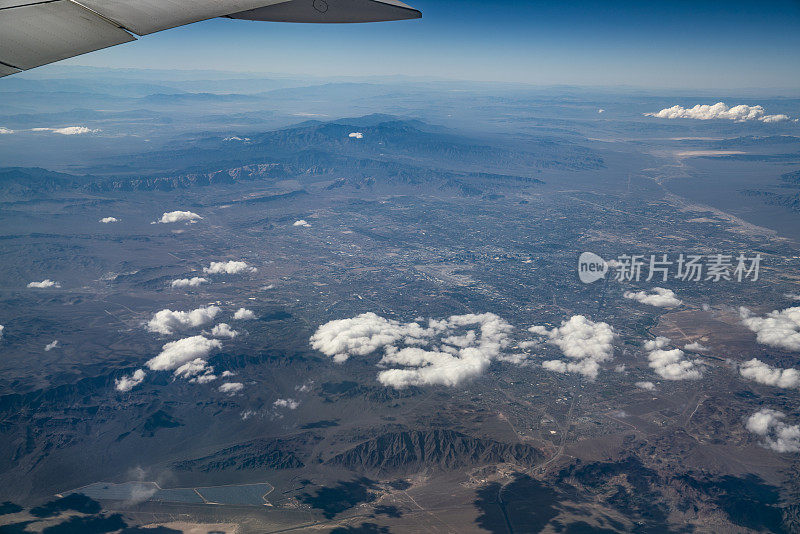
675, 44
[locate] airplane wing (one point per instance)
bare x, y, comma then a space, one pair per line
331, 11
37, 32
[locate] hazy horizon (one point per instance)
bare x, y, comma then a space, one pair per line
666, 46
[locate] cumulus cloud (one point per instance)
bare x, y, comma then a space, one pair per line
775, 118
178, 216
231, 388
647, 386
106, 220
291, 404
658, 296
695, 346
228, 267
560, 366
601, 110
777, 435
196, 370
356, 135
361, 335
719, 110
762, 373
779, 329
127, 383
658, 343
167, 321
176, 353
2, 329
74, 130
5, 131
209, 376
44, 284
243, 314
671, 364
301, 222
586, 343
224, 330
67, 130
466, 346
50, 346
446, 352
188, 282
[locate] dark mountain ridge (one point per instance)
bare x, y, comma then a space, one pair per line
381, 150
414, 450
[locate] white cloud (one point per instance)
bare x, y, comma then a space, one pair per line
775, 118
228, 267
44, 284
67, 130
178, 216
558, 366
106, 220
50, 346
446, 352
792, 296
168, 321
658, 343
247, 414
671, 364
515, 358
777, 435
301, 222
695, 346
356, 135
236, 138
601, 111
658, 296
127, 383
585, 342
176, 353
197, 370
762, 373
647, 386
719, 110
243, 314
209, 376
74, 130
780, 328
286, 403
361, 335
224, 330
226, 374
2, 329
5, 131
188, 282
421, 367
231, 388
